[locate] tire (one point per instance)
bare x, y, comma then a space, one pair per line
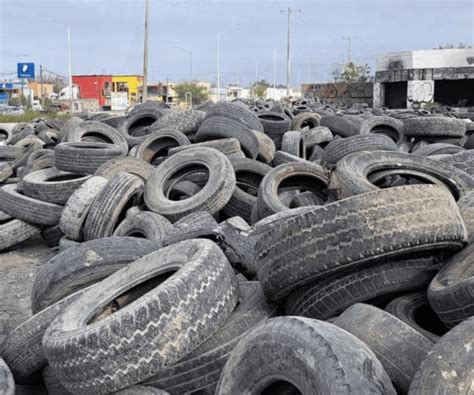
145, 224
212, 197
154, 148
98, 132
350, 176
51, 236
43, 162
275, 125
300, 176
340, 125
134, 166
7, 384
398, 346
14, 231
319, 358
136, 126
10, 152
249, 174
236, 113
6, 135
229, 147
293, 143
23, 351
141, 390
266, 147
371, 227
414, 310
434, 126
187, 121
77, 207
106, 212
463, 161
52, 185
451, 293
69, 125
316, 136
195, 301
65, 243
223, 127
438, 149
49, 136
384, 125
202, 368
30, 210
197, 225
330, 296
51, 382
6, 172
446, 370
306, 199
183, 190
305, 121
83, 265
338, 149
466, 208
84, 158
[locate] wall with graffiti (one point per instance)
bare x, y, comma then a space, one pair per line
420, 92
341, 92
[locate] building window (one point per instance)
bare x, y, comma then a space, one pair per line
122, 86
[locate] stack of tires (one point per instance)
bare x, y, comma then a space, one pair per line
249, 247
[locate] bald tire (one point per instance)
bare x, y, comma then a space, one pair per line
202, 368
350, 233
134, 166
82, 265
315, 356
448, 368
14, 231
193, 292
7, 384
398, 346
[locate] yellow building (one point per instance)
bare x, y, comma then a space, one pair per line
36, 89
130, 84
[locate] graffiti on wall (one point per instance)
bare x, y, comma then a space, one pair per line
420, 91
341, 92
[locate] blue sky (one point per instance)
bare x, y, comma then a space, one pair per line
107, 35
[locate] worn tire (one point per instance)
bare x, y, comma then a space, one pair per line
353, 232
330, 296
14, 231
384, 125
293, 143
305, 121
314, 356
84, 158
340, 125
434, 126
202, 368
84, 265
266, 147
95, 131
229, 147
30, 210
275, 125
52, 185
7, 384
212, 197
398, 346
463, 161
154, 148
197, 225
193, 303
448, 368
352, 171
134, 166
77, 207
438, 149
451, 293
120, 193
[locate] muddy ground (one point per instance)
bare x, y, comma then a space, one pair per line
18, 267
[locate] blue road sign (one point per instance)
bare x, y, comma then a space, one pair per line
26, 70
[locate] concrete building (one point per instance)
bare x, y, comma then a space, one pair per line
96, 87
48, 89
443, 76
130, 84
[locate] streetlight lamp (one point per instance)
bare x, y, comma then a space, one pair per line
69, 50
190, 60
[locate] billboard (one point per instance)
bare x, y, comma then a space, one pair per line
119, 101
26, 70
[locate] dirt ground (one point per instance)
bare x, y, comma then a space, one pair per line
18, 267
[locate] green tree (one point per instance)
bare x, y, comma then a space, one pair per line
355, 73
199, 92
259, 88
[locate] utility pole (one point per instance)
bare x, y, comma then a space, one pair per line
145, 53
218, 67
274, 73
41, 84
349, 38
70, 67
288, 71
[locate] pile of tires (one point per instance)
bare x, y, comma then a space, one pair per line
248, 247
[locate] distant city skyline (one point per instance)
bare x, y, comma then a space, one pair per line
107, 35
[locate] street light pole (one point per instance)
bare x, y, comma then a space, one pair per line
145, 53
218, 67
274, 73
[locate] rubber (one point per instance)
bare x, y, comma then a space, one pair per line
275, 125
154, 148
266, 147
314, 356
305, 121
7, 384
352, 233
14, 231
194, 302
199, 224
434, 126
134, 166
95, 131
293, 143
384, 125
339, 125
398, 346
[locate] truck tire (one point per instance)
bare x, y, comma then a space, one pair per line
134, 166
434, 126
